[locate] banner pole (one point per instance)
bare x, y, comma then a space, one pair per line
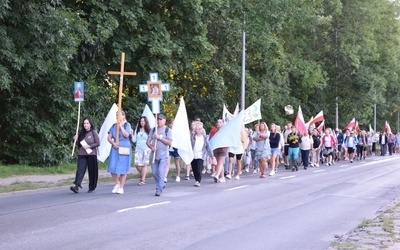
155, 142
77, 128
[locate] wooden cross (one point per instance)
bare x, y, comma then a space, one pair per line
121, 74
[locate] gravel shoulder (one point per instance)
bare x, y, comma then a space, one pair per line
382, 232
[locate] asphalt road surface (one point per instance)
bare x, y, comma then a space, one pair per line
291, 210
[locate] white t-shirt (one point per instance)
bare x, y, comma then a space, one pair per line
328, 139
198, 147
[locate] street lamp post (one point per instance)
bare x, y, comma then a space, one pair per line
242, 104
336, 65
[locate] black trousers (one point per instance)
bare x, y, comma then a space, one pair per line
89, 161
197, 167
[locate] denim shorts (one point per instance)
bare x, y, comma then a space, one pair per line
174, 153
275, 151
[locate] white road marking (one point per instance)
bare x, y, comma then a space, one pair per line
142, 207
317, 171
239, 187
287, 177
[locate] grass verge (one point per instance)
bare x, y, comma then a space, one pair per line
19, 170
28, 185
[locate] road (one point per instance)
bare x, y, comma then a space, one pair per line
291, 210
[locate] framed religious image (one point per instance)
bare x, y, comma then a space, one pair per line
78, 91
154, 90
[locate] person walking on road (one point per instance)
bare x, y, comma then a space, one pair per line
159, 141
119, 161
142, 152
87, 141
200, 148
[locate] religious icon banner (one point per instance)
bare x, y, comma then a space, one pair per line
78, 91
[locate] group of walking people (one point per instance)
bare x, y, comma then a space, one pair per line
261, 149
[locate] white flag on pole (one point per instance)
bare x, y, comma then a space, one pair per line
226, 135
181, 134
253, 112
105, 147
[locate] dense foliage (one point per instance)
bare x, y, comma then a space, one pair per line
304, 53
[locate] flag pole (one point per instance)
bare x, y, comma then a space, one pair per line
77, 128
155, 142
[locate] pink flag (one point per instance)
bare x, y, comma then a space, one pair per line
318, 118
351, 124
299, 122
387, 128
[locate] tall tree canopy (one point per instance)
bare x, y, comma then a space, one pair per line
317, 54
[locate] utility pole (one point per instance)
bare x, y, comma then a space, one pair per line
242, 103
336, 77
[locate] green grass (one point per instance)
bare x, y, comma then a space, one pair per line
28, 185
18, 170
344, 245
366, 223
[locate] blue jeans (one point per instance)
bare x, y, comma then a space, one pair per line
293, 154
383, 149
158, 169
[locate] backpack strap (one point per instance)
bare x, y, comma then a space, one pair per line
166, 131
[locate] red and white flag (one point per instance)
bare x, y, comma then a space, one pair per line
321, 126
356, 127
318, 118
387, 128
299, 122
351, 124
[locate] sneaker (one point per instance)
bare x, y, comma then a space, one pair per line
165, 180
216, 179
351, 161
91, 191
228, 176
197, 184
115, 189
74, 189
311, 164
222, 179
120, 191
255, 171
327, 164
272, 173
187, 178
178, 179
158, 193
246, 170
203, 172
317, 165
212, 175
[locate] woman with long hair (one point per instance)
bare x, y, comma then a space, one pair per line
220, 154
142, 152
87, 141
274, 140
263, 149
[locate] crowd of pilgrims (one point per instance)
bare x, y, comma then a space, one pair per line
264, 149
